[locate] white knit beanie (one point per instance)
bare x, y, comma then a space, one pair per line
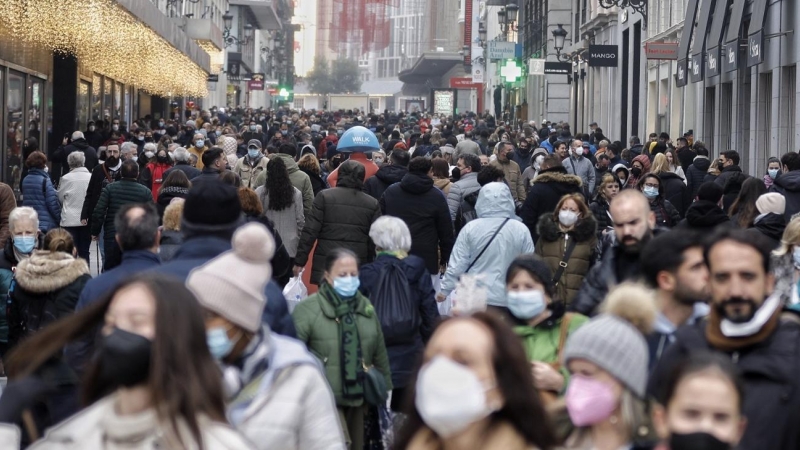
771, 202
232, 284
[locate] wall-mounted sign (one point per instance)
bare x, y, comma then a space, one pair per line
464, 82
213, 78
712, 62
730, 56
681, 76
557, 68
444, 101
603, 55
755, 49
256, 82
536, 66
661, 50
696, 70
501, 50
478, 75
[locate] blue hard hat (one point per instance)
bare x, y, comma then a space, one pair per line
358, 139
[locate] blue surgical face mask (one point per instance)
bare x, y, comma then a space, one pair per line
526, 305
218, 132
199, 143
796, 256
25, 244
253, 153
284, 132
219, 344
252, 128
650, 192
773, 173
346, 286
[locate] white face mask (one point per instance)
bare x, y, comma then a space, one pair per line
567, 217
450, 397
149, 154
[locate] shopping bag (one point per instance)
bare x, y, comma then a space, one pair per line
295, 291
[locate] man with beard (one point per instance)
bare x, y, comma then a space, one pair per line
522, 155
673, 265
747, 323
633, 226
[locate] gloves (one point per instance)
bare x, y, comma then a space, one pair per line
20, 395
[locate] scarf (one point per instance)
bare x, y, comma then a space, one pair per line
350, 343
730, 344
399, 254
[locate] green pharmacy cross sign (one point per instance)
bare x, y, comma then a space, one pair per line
510, 71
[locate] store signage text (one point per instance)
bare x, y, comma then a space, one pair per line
661, 50
557, 68
603, 55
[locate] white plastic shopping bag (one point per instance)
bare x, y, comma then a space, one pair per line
295, 291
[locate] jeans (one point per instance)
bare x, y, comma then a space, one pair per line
83, 240
113, 255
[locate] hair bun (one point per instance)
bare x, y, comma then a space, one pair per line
634, 304
254, 243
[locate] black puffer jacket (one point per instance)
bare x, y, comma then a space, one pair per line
340, 218
788, 184
544, 195
112, 198
675, 191
705, 216
600, 212
696, 174
386, 176
769, 370
727, 173
317, 183
424, 209
772, 226
666, 214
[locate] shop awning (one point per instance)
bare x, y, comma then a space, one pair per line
730, 51
755, 40
715, 38
430, 65
686, 40
265, 11
697, 65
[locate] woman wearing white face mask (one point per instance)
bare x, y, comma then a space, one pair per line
542, 322
567, 240
607, 359
340, 327
474, 391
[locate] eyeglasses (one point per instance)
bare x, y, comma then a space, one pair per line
651, 185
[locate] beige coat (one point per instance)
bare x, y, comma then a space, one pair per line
514, 179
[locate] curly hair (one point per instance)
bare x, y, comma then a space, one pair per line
250, 202
278, 186
309, 162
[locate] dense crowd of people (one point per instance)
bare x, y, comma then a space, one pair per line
325, 280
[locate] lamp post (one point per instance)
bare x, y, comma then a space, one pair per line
559, 37
639, 6
230, 39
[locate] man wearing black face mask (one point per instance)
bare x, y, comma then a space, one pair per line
748, 323
673, 265
522, 154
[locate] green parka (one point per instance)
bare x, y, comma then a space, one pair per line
314, 319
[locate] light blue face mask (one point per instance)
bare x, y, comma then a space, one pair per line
199, 143
526, 305
346, 286
773, 173
650, 192
25, 244
219, 344
253, 153
796, 256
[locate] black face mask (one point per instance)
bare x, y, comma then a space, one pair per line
162, 159
456, 174
125, 358
697, 441
636, 171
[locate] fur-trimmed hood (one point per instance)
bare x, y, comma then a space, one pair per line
47, 271
558, 177
584, 229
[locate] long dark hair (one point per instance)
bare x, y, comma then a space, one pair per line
351, 175
184, 381
522, 407
278, 186
745, 204
176, 178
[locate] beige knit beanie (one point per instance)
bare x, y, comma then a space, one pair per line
772, 202
232, 284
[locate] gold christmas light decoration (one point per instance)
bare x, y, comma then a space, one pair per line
108, 40
215, 53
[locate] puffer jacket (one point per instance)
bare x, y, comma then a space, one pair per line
466, 185
248, 170
513, 176
666, 214
386, 176
696, 174
494, 206
705, 216
600, 210
403, 357
546, 192
788, 184
8, 263
316, 324
47, 288
675, 191
340, 217
772, 227
726, 174
38, 193
424, 209
114, 197
299, 180
530, 173
552, 245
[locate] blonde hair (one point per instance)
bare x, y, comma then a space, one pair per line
173, 214
59, 240
660, 164
791, 237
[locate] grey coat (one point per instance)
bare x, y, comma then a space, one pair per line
458, 190
583, 168
289, 222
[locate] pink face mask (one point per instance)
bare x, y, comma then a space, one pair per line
589, 401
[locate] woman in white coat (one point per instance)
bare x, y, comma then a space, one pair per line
488, 244
153, 384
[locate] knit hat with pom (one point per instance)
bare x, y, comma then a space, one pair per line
232, 284
614, 340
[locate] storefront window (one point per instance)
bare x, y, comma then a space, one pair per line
15, 131
35, 103
83, 105
97, 85
107, 103
118, 102
128, 117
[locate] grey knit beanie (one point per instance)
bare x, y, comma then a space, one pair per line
614, 341
232, 284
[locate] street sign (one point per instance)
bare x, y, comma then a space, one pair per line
603, 55
661, 50
536, 66
501, 50
557, 68
256, 82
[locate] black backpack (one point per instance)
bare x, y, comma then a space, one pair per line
466, 212
395, 305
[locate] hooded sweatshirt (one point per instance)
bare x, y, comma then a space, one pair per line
532, 171
633, 179
494, 206
788, 184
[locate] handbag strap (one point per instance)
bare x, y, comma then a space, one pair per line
562, 266
562, 338
487, 245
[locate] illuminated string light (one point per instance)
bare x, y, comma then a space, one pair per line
106, 39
